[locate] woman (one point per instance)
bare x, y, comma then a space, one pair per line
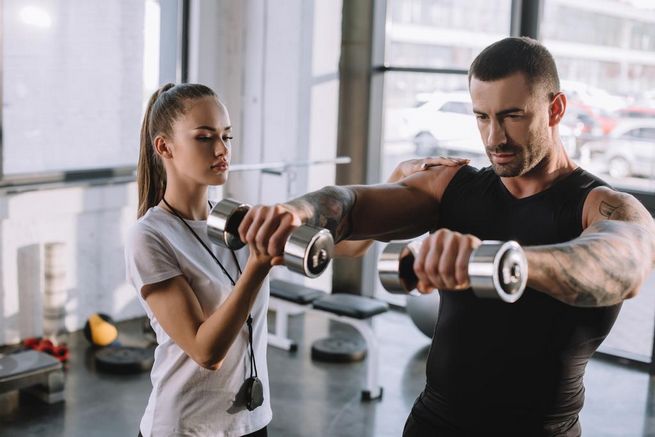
206, 304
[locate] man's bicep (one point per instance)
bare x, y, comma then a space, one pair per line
606, 204
401, 210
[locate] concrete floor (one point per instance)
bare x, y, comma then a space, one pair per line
311, 398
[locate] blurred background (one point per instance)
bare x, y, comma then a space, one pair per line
306, 82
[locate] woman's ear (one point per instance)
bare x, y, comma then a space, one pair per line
557, 109
161, 147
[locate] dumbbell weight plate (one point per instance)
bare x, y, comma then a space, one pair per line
308, 250
223, 223
396, 267
498, 270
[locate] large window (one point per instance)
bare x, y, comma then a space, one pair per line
605, 53
75, 78
429, 112
607, 65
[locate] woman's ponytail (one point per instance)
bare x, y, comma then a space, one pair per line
164, 107
150, 174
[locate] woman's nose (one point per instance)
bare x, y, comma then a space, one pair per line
221, 148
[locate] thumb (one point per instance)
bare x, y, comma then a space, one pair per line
277, 261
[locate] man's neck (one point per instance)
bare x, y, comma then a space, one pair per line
550, 170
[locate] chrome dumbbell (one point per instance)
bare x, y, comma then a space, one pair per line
496, 269
307, 251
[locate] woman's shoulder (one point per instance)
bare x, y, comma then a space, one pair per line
148, 227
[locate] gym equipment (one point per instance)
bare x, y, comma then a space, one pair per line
423, 309
124, 359
308, 250
357, 311
497, 269
59, 351
338, 350
100, 330
38, 373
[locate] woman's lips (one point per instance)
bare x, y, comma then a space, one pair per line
220, 167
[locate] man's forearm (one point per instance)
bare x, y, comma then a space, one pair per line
605, 265
329, 208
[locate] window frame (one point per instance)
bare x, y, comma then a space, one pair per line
173, 67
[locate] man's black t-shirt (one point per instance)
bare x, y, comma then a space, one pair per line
496, 368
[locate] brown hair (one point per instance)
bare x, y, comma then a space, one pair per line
517, 54
164, 107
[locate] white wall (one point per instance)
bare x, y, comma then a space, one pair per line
275, 65
92, 222
276, 68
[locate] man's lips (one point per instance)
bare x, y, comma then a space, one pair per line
502, 158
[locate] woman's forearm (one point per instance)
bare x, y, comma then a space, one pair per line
217, 333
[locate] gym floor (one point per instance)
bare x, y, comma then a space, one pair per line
310, 398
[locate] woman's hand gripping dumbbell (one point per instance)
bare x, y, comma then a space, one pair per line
307, 251
495, 269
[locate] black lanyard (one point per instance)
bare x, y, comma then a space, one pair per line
253, 364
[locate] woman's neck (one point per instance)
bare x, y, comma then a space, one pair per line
190, 205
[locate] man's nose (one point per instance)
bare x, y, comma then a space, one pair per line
496, 134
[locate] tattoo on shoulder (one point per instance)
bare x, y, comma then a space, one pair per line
606, 209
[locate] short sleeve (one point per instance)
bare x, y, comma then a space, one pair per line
149, 259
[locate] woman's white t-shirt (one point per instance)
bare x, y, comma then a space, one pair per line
186, 399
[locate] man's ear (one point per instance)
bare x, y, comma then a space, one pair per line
557, 109
161, 147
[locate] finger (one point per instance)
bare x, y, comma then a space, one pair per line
424, 288
468, 245
432, 261
257, 218
448, 162
267, 228
279, 238
246, 223
448, 260
277, 261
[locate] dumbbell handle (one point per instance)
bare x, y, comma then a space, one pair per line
496, 269
308, 250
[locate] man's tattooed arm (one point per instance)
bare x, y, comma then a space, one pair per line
607, 263
328, 208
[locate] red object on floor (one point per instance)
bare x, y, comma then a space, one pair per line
60, 352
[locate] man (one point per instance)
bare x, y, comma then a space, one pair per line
497, 368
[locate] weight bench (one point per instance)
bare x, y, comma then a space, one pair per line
289, 298
38, 373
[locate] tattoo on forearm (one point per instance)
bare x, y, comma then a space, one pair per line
600, 268
329, 208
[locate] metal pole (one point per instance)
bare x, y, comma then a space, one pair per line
282, 165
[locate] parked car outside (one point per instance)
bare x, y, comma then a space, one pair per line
445, 125
629, 150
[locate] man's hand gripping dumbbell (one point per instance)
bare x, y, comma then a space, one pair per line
493, 269
307, 251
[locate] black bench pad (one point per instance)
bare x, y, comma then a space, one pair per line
294, 292
351, 305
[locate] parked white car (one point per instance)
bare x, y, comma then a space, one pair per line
629, 150
445, 125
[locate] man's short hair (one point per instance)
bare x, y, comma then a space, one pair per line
517, 54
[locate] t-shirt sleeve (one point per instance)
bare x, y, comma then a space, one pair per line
149, 259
